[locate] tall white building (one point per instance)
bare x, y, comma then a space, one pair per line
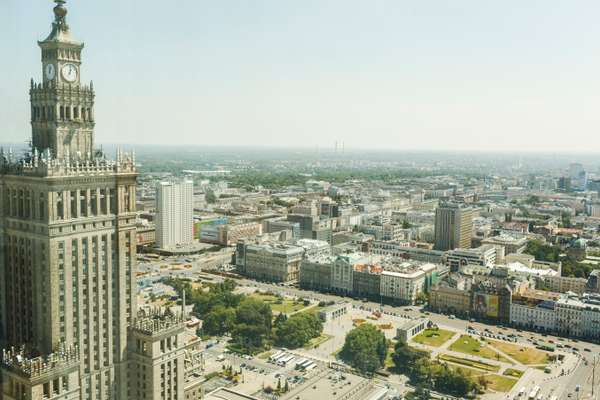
174, 213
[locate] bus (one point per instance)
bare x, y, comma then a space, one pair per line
274, 356
285, 361
534, 392
300, 362
279, 357
521, 392
310, 367
306, 363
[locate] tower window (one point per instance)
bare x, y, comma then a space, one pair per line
68, 113
62, 112
76, 112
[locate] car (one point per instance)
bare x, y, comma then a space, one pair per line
586, 349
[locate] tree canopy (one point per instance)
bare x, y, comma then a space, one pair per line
416, 364
252, 325
365, 348
297, 330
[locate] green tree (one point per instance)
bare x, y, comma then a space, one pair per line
219, 321
253, 324
210, 196
365, 348
421, 393
298, 329
542, 252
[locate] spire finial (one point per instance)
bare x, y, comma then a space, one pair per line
60, 11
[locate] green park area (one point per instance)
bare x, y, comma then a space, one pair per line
524, 355
316, 342
469, 363
469, 345
515, 373
280, 304
499, 383
433, 337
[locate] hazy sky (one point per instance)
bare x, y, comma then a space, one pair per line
420, 74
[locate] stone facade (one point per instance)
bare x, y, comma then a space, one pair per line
67, 237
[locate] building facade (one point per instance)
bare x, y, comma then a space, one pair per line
174, 213
272, 262
67, 243
453, 227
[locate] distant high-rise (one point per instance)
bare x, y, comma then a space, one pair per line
578, 176
174, 213
453, 227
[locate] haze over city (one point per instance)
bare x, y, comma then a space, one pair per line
427, 75
269, 200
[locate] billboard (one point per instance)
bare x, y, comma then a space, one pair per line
486, 304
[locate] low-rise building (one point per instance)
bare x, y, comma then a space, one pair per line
563, 284
367, 281
403, 282
334, 311
273, 262
411, 328
511, 245
316, 272
534, 310
484, 255
343, 272
444, 298
404, 250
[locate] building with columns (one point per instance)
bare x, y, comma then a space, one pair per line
67, 243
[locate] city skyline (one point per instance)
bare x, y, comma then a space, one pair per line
478, 76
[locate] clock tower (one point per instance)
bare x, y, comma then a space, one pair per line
67, 244
62, 108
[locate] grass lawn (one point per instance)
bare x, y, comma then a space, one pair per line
265, 355
280, 305
500, 383
468, 345
312, 309
524, 355
470, 372
469, 363
433, 337
515, 373
317, 341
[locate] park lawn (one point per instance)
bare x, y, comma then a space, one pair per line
515, 373
500, 383
433, 337
312, 309
469, 363
468, 345
470, 372
278, 305
316, 342
524, 355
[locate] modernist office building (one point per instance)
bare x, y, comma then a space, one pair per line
174, 213
453, 227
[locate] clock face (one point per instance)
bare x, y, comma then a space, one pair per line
50, 71
69, 72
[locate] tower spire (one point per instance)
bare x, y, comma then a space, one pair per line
60, 29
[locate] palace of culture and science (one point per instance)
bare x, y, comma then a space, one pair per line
69, 323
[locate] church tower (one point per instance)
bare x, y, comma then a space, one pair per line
67, 243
